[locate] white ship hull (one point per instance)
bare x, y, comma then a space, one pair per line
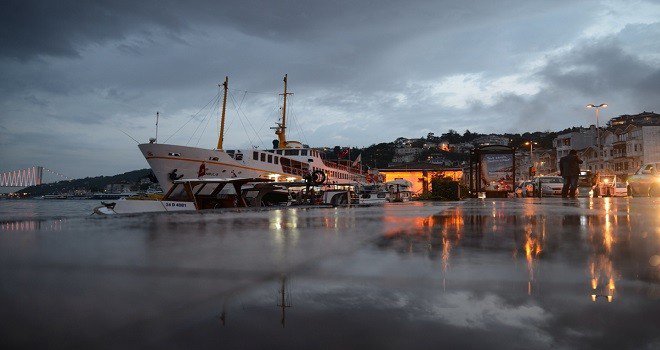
171, 161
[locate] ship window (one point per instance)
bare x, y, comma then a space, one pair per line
255, 155
303, 152
279, 151
175, 154
213, 158
230, 151
270, 158
239, 156
263, 157
277, 159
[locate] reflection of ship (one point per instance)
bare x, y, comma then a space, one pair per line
285, 300
288, 160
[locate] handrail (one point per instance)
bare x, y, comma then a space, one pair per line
341, 167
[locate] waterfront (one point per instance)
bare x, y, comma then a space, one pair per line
533, 273
42, 209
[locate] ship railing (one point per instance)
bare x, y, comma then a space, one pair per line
350, 169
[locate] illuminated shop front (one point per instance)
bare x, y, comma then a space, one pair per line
420, 175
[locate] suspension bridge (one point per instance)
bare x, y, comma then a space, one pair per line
31, 176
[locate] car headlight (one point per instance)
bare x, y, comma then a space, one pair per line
546, 188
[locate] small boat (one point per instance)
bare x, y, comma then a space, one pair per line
186, 195
54, 196
372, 194
355, 193
400, 190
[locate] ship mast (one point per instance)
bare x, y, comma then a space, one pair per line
221, 137
281, 129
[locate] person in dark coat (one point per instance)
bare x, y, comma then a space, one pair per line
569, 169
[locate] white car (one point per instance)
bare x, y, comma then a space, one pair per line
620, 189
548, 186
646, 181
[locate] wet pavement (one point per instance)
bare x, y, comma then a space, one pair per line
525, 273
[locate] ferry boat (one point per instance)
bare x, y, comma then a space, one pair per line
287, 161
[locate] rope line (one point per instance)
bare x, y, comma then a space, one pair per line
202, 120
191, 117
217, 102
233, 103
246, 119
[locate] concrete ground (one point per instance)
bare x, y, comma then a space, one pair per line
512, 273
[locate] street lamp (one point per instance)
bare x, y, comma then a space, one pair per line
602, 105
532, 168
531, 150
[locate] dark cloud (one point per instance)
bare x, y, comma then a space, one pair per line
362, 71
597, 68
594, 71
63, 28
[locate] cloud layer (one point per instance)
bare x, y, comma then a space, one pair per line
73, 73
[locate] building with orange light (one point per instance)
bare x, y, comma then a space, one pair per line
420, 174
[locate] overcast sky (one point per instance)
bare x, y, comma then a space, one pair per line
74, 73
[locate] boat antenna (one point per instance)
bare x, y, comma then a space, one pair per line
156, 138
281, 129
221, 137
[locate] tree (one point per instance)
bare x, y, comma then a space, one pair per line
452, 136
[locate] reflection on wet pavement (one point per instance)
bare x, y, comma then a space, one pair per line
537, 273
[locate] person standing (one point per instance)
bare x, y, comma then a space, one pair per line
569, 169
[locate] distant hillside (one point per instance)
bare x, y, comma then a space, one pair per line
94, 184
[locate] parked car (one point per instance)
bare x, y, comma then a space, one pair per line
645, 182
548, 186
620, 189
605, 186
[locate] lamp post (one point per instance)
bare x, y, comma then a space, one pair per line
531, 155
531, 150
598, 144
598, 107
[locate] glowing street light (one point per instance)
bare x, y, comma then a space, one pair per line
532, 167
531, 150
598, 107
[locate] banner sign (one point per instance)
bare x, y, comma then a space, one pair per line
497, 172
